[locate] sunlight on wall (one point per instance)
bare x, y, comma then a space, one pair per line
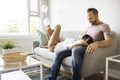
72, 13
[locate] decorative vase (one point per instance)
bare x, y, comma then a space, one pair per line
7, 51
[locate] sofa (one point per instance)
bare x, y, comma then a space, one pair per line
92, 63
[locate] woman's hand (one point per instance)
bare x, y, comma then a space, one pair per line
69, 47
77, 43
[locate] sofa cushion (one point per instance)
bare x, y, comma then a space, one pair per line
44, 52
67, 61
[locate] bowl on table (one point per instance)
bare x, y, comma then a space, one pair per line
14, 57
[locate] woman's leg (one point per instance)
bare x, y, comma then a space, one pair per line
77, 58
57, 63
54, 38
49, 31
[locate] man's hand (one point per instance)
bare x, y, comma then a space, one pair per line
104, 43
92, 47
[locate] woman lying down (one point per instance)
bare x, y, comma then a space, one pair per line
56, 45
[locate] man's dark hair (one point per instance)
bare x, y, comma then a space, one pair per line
87, 38
95, 11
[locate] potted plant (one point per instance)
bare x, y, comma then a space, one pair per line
7, 46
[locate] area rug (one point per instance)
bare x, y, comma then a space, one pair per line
34, 73
93, 77
37, 77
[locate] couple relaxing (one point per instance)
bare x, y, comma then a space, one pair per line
55, 44
98, 34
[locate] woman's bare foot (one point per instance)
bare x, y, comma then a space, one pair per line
44, 46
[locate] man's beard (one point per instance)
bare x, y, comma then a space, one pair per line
93, 23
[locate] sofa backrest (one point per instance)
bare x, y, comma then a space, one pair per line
70, 34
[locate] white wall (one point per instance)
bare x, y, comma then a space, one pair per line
71, 14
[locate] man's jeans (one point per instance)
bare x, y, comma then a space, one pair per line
77, 57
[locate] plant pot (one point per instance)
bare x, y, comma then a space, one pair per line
4, 51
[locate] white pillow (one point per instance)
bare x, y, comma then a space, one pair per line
63, 45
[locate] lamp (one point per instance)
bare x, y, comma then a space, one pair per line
46, 21
44, 9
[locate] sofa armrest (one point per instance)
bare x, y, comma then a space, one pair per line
35, 44
95, 62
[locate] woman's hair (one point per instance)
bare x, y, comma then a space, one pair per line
87, 38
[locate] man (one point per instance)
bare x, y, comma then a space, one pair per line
102, 36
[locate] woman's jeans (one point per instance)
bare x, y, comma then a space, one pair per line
77, 57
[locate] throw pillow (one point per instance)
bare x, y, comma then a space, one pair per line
43, 38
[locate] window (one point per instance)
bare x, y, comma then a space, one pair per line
16, 17
34, 15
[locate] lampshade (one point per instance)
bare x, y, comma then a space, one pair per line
46, 21
44, 8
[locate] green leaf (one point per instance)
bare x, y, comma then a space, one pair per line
7, 44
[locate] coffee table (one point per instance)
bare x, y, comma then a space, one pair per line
114, 59
29, 63
19, 75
